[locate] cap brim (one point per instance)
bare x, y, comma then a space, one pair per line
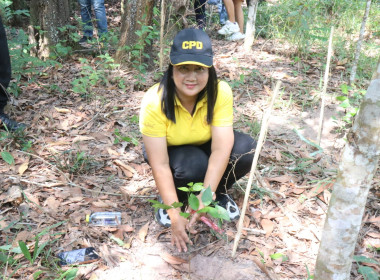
201, 60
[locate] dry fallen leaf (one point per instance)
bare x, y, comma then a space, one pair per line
62, 110
280, 179
268, 226
172, 259
23, 167
318, 189
143, 232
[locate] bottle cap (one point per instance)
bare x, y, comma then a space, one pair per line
87, 218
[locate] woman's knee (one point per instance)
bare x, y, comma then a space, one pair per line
243, 143
188, 163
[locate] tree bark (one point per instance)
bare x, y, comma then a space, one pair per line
136, 13
250, 28
359, 43
347, 204
45, 18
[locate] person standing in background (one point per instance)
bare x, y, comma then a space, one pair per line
234, 27
86, 7
5, 78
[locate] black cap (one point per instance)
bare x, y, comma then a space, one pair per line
191, 46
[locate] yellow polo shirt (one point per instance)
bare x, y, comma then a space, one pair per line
188, 130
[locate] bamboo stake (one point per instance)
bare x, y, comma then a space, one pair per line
260, 144
326, 79
162, 35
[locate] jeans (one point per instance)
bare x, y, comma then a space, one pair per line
5, 66
200, 13
189, 163
100, 15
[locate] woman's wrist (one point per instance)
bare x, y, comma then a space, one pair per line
173, 212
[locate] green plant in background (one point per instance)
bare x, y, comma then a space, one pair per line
306, 25
24, 64
75, 162
120, 138
211, 207
42, 252
7, 13
9, 140
368, 272
350, 102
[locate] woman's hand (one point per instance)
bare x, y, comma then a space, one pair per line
179, 234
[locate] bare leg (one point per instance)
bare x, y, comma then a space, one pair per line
230, 9
239, 16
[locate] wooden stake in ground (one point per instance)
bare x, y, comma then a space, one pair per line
325, 81
260, 143
162, 35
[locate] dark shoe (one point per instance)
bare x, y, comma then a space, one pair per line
225, 201
10, 124
84, 39
162, 216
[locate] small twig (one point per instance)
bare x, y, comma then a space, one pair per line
255, 231
260, 144
326, 79
5, 210
93, 118
264, 185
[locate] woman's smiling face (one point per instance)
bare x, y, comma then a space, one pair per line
189, 80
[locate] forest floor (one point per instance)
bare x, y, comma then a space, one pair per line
80, 160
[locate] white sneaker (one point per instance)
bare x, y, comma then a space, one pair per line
229, 28
236, 37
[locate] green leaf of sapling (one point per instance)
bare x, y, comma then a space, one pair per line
177, 204
193, 202
185, 215
184, 189
197, 187
207, 196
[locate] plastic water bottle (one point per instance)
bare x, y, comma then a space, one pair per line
108, 219
80, 256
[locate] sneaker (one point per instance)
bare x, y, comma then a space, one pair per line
229, 28
84, 42
225, 201
84, 39
236, 37
162, 216
10, 124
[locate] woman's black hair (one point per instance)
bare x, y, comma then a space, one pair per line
168, 94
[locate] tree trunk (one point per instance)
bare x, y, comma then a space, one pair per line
45, 18
136, 14
347, 204
18, 20
359, 43
250, 28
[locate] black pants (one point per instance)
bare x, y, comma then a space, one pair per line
200, 13
5, 66
189, 163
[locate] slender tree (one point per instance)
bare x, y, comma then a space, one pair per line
360, 42
250, 28
358, 165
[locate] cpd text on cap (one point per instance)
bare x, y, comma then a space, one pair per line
191, 44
